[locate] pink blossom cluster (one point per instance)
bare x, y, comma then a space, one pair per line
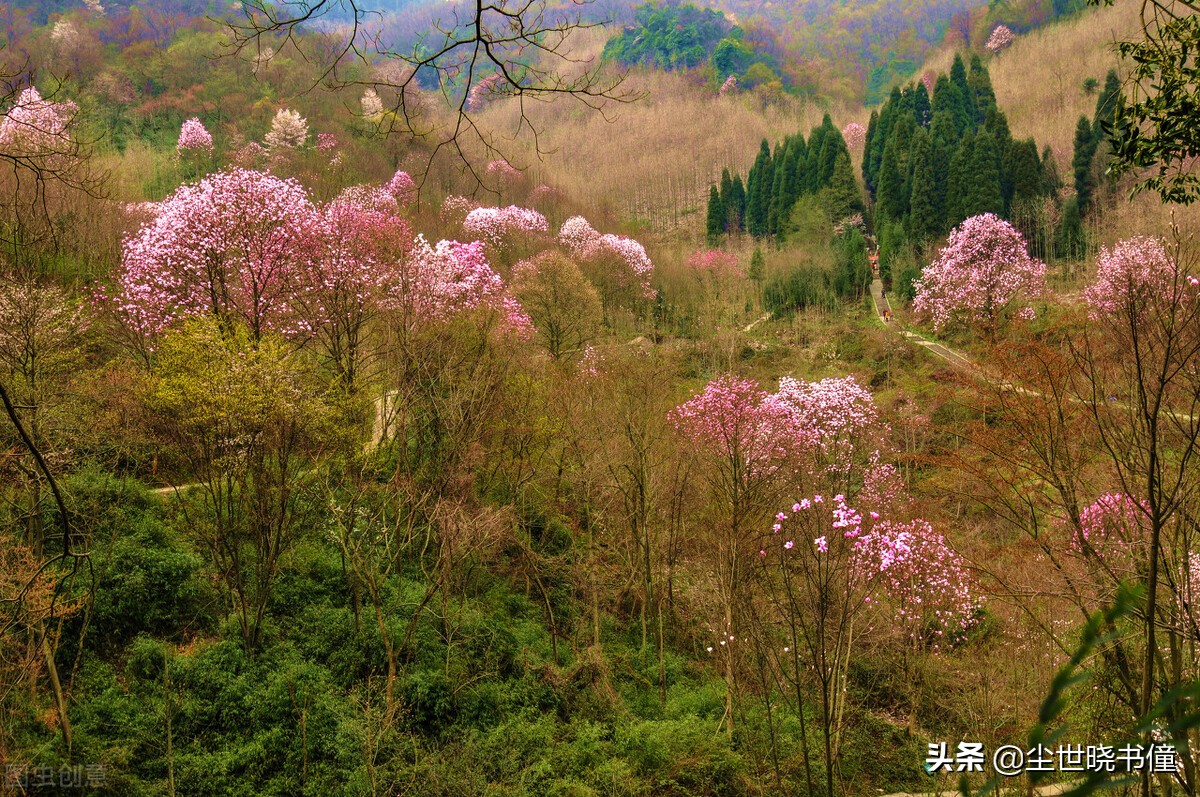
403, 187
542, 193
228, 245
503, 171
1001, 37
484, 90
839, 412
852, 222
716, 263
194, 136
1137, 277
883, 488
455, 208
983, 270
924, 579
452, 277
326, 142
250, 246
367, 197
738, 423
34, 126
497, 226
592, 361
585, 243
728, 86
250, 156
1113, 525
855, 135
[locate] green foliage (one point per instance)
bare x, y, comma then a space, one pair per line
670, 37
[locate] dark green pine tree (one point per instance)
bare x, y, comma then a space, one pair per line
1051, 180
872, 131
997, 124
843, 196
1106, 104
726, 189
793, 183
1081, 164
715, 221
958, 180
1025, 170
922, 106
832, 143
735, 208
873, 156
812, 161
981, 89
758, 266
890, 204
958, 76
926, 212
1071, 242
775, 209
984, 192
943, 144
758, 201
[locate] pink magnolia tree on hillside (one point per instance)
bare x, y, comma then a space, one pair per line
360, 246
194, 137
1137, 277
747, 443
617, 264
235, 245
403, 187
843, 419
855, 135
828, 569
36, 127
499, 227
1000, 39
982, 273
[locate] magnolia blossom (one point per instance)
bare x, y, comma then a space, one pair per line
231, 245
1001, 37
497, 225
1114, 524
484, 90
455, 208
372, 105
326, 142
403, 187
34, 126
728, 86
65, 35
840, 413
502, 170
586, 244
984, 269
289, 130
716, 263
453, 277
855, 135
1137, 277
734, 420
194, 136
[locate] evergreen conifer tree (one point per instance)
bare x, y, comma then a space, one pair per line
1081, 164
984, 193
735, 208
926, 213
715, 221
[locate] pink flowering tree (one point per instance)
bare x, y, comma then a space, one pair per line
982, 273
826, 568
855, 135
747, 444
34, 127
403, 187
1136, 279
360, 246
729, 86
501, 227
455, 208
617, 265
194, 136
1112, 534
233, 246
843, 419
1000, 39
